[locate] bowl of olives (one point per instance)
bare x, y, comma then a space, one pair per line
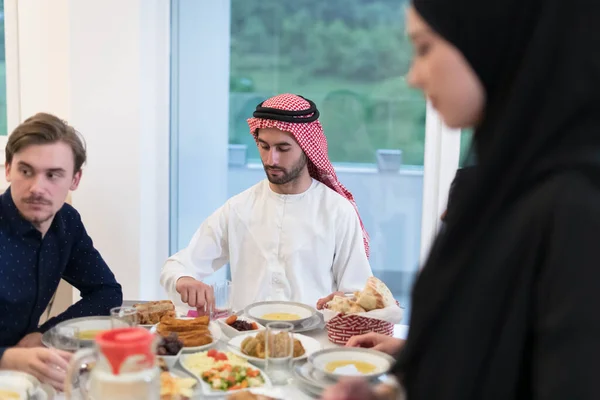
168, 350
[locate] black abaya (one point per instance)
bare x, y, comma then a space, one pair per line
506, 305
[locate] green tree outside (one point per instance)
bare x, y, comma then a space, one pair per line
349, 56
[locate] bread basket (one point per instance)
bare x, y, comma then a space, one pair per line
342, 327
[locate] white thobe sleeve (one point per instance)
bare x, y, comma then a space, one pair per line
351, 267
207, 252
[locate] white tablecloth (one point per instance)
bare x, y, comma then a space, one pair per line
292, 391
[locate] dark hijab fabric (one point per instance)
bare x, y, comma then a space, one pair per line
539, 62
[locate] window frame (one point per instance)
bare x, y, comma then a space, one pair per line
13, 97
441, 160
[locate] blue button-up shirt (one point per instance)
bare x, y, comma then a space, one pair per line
31, 268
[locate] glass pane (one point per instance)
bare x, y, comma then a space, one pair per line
466, 137
3, 125
350, 57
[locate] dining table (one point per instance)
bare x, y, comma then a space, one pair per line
294, 389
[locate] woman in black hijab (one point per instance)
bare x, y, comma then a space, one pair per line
506, 306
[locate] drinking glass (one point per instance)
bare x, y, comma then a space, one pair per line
124, 317
279, 351
223, 293
65, 338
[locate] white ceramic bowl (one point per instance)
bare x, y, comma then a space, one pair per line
310, 346
381, 361
171, 360
25, 385
231, 332
100, 323
257, 311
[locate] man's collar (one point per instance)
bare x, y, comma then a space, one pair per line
20, 225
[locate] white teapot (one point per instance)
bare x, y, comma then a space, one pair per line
124, 368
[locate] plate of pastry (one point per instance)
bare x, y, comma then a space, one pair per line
196, 334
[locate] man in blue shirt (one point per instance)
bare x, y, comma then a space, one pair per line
42, 240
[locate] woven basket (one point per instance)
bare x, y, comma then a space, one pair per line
343, 327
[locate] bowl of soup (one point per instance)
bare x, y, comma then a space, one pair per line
280, 311
15, 385
347, 362
87, 329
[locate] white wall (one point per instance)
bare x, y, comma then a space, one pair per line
103, 66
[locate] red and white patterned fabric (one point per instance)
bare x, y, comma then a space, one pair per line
313, 142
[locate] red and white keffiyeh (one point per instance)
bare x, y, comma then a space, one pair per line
313, 142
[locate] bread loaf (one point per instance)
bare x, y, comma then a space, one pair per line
376, 295
150, 313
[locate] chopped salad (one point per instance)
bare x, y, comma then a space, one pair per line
228, 378
225, 371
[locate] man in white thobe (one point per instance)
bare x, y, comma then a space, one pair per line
295, 236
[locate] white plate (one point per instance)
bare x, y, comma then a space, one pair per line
25, 384
232, 332
306, 374
208, 391
273, 393
310, 346
381, 361
257, 311
215, 332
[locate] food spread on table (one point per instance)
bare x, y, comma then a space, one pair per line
240, 325
223, 371
192, 332
278, 316
151, 313
256, 346
375, 296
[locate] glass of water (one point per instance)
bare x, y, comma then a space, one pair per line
65, 338
123, 317
223, 293
279, 351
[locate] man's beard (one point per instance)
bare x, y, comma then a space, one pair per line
286, 176
38, 220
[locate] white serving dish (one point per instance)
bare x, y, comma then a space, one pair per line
101, 323
208, 391
171, 360
231, 332
257, 311
310, 345
215, 332
27, 386
381, 361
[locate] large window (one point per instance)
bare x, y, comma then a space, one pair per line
351, 58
